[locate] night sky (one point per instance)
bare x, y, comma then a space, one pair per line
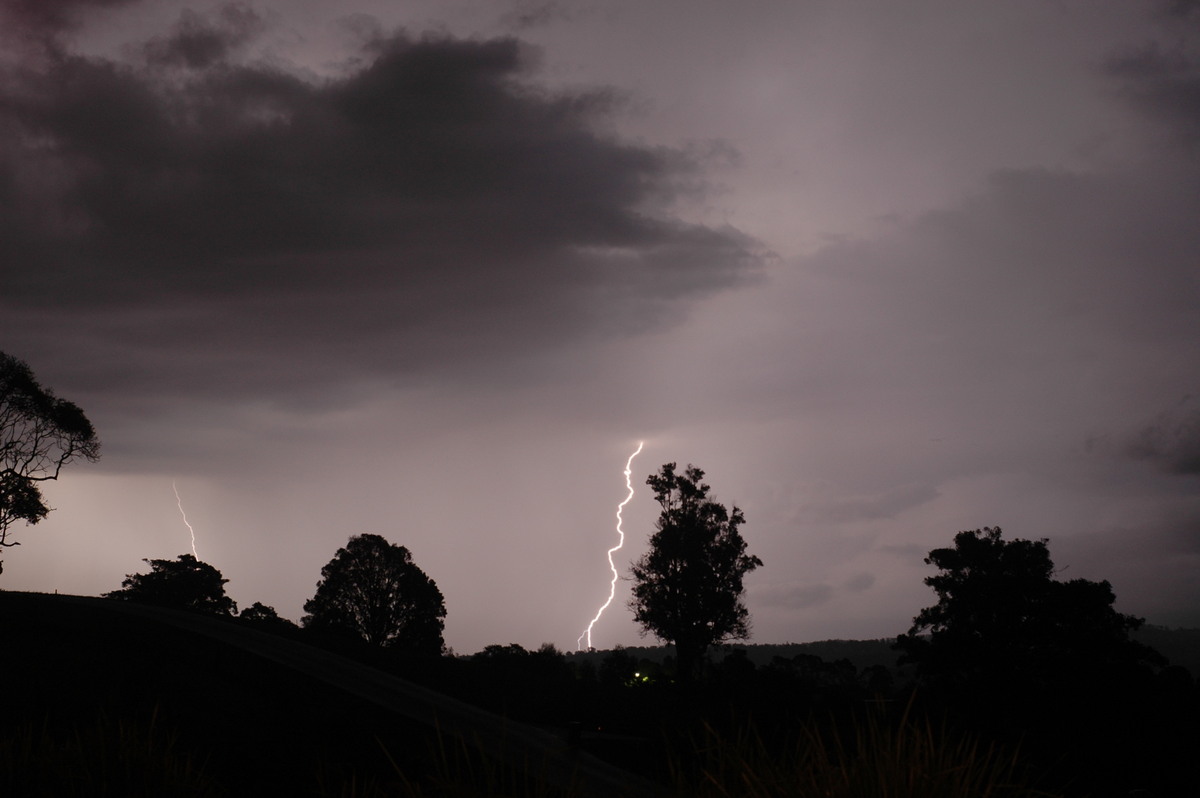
431, 270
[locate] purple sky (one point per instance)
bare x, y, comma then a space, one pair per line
432, 269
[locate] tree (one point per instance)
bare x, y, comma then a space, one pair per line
185, 583
264, 616
688, 586
1001, 617
373, 588
39, 434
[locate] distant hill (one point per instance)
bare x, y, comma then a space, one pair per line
862, 653
1179, 646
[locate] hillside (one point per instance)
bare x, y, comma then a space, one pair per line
101, 693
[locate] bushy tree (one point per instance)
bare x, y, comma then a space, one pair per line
687, 588
184, 583
373, 589
264, 616
1002, 618
39, 434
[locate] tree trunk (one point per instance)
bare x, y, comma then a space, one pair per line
688, 655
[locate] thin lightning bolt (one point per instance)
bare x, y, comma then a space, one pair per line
612, 587
179, 503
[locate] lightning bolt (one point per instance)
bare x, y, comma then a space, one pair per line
612, 587
179, 503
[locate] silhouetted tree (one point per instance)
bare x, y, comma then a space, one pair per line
39, 434
687, 588
265, 617
373, 588
1001, 617
184, 583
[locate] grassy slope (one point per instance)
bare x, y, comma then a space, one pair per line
254, 728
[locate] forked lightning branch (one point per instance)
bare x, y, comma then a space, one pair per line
179, 504
612, 586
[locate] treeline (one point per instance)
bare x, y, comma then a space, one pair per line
862, 653
1007, 657
1180, 647
371, 592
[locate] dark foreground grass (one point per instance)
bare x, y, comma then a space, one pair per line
870, 758
873, 758
135, 758
108, 757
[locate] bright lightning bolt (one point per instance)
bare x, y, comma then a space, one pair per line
612, 587
179, 503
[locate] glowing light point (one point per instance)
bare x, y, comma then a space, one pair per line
612, 586
179, 504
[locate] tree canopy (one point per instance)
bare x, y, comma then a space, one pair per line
373, 589
39, 434
687, 587
1001, 615
264, 616
184, 583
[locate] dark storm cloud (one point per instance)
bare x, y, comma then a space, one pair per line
1172, 440
535, 15
1041, 267
42, 17
1182, 8
198, 42
239, 229
1164, 82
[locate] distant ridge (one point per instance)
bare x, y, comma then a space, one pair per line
1180, 647
862, 653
